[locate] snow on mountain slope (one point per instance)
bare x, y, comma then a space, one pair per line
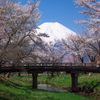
55, 31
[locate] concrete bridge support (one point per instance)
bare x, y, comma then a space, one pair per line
74, 78
34, 80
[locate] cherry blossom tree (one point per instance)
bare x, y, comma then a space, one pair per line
2, 19
75, 48
56, 52
19, 24
92, 33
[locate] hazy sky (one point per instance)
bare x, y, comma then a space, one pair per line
62, 11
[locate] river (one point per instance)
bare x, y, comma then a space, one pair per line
50, 88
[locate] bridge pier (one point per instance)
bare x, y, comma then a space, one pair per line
74, 79
34, 80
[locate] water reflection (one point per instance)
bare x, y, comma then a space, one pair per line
49, 88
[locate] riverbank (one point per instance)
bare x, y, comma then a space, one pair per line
89, 84
19, 88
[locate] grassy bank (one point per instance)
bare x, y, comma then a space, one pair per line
85, 81
12, 93
22, 89
64, 81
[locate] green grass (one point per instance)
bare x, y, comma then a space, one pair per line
7, 92
25, 92
62, 81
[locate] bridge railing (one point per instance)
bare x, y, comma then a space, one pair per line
62, 64
51, 65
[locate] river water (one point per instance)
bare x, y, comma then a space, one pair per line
50, 88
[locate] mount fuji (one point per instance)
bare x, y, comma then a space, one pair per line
55, 31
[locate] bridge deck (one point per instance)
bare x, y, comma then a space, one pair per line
37, 67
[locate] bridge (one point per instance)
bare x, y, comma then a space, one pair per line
34, 68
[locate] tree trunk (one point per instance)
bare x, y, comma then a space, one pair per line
52, 73
58, 74
19, 73
9, 74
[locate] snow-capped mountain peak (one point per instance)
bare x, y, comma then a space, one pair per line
55, 31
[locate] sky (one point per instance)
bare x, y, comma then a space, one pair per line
65, 12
